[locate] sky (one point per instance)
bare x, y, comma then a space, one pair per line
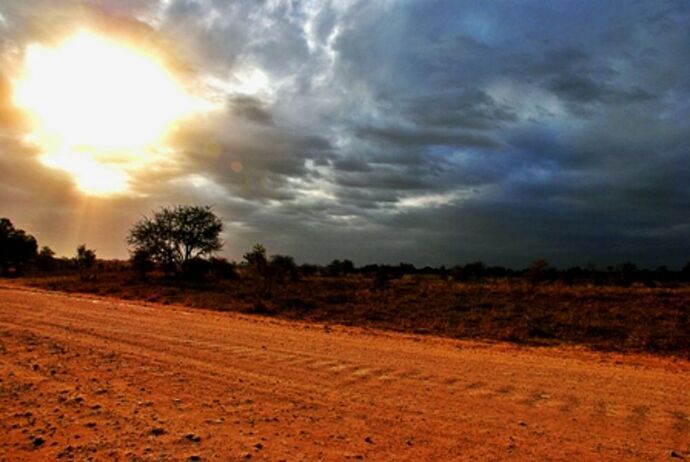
431, 132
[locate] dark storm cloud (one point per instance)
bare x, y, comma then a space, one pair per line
468, 109
392, 179
587, 90
250, 109
433, 132
351, 164
427, 137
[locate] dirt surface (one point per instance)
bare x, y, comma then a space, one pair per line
88, 378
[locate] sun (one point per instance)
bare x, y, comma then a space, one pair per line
99, 108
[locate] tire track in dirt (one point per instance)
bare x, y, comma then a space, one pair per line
350, 374
287, 357
422, 397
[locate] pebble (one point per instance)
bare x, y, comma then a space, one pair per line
192, 437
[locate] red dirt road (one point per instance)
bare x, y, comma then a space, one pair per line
88, 377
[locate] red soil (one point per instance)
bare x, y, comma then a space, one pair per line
90, 377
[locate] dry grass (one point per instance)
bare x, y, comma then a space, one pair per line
610, 318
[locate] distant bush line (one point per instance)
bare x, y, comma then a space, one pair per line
215, 268
182, 242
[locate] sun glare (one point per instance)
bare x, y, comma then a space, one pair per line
99, 108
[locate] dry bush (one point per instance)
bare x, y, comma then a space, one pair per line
636, 318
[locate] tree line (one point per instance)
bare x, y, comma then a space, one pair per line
19, 250
182, 242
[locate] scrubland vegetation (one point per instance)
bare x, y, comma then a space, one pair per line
612, 317
620, 308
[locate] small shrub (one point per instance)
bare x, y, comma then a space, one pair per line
223, 269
